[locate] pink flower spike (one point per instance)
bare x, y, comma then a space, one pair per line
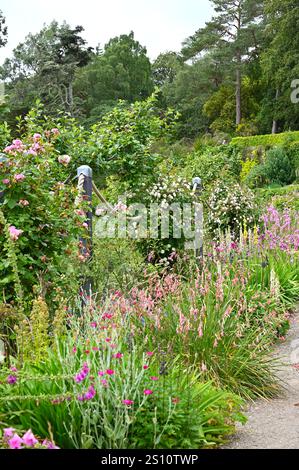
128, 402
148, 392
110, 372
15, 442
29, 439
154, 378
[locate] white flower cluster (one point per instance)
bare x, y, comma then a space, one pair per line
230, 206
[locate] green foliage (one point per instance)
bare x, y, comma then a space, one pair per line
5, 135
286, 197
44, 66
120, 144
202, 417
3, 30
212, 163
105, 421
121, 72
268, 140
116, 265
276, 169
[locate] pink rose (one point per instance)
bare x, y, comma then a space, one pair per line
19, 177
64, 159
14, 233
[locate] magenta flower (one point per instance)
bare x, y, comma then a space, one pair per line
6, 181
110, 372
11, 379
104, 383
49, 444
29, 439
148, 391
8, 432
90, 394
101, 373
154, 378
117, 355
93, 324
149, 353
128, 402
145, 367
15, 442
82, 374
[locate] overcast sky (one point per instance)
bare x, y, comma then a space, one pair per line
160, 25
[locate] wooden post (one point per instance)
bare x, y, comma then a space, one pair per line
86, 242
197, 189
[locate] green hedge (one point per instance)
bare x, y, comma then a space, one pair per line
268, 140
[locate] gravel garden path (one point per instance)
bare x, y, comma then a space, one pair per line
274, 424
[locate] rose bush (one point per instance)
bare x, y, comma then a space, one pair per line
43, 222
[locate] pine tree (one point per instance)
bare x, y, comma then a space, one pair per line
235, 30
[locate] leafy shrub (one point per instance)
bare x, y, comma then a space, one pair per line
214, 163
276, 169
268, 140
